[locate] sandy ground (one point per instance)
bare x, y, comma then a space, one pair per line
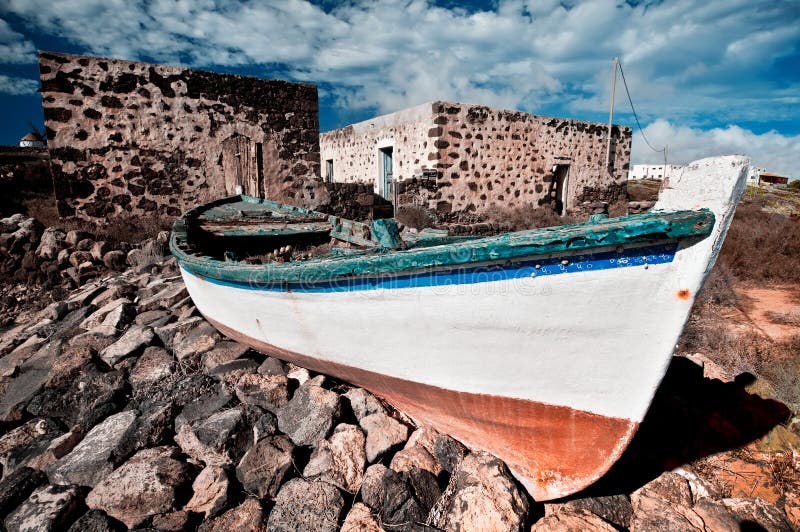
775, 311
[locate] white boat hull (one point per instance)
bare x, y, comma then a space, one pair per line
551, 369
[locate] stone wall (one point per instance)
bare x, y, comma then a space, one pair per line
485, 156
130, 138
355, 148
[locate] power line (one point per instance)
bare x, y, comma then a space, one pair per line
636, 117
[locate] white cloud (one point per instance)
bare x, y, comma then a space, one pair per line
16, 86
14, 47
776, 152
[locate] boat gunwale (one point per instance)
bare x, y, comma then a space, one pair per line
649, 227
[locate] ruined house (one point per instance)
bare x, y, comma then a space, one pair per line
131, 138
457, 157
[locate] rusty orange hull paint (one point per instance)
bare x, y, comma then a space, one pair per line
553, 450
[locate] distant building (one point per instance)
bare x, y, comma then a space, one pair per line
654, 171
752, 175
767, 178
32, 140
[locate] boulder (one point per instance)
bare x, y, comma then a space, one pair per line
53, 241
167, 333
248, 516
340, 459
92, 521
74, 236
94, 457
383, 433
271, 366
306, 505
372, 486
98, 316
176, 521
408, 497
204, 405
230, 372
209, 492
132, 342
145, 485
220, 439
765, 515
269, 392
48, 508
301, 375
17, 485
22, 444
448, 452
82, 401
223, 352
614, 509
56, 449
195, 341
114, 260
481, 494
570, 519
308, 417
415, 457
164, 299
360, 519
154, 318
363, 403
264, 466
154, 364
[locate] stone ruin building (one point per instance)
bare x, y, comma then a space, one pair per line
455, 157
130, 138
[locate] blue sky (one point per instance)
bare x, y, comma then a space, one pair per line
706, 76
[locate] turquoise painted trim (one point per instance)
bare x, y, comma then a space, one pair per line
608, 260
651, 227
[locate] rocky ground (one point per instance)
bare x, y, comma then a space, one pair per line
121, 407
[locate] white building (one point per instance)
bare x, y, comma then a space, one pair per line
32, 140
753, 175
653, 171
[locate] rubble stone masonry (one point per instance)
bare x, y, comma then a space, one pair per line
482, 156
130, 138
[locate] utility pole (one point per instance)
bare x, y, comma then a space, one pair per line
611, 113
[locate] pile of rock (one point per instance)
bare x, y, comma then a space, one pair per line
34, 256
120, 406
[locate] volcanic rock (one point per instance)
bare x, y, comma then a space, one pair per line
448, 452
210, 491
372, 486
48, 508
408, 496
223, 352
221, 439
143, 486
134, 340
305, 505
360, 519
572, 519
247, 516
308, 417
17, 485
615, 509
383, 433
340, 459
481, 494
94, 457
92, 521
269, 392
265, 465
20, 445
196, 340
154, 364
363, 403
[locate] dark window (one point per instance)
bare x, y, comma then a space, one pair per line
329, 170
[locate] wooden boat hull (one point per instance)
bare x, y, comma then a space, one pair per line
548, 362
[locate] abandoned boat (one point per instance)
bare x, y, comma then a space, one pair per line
544, 347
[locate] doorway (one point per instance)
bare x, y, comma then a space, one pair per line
561, 181
385, 172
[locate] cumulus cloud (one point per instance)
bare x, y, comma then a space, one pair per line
683, 56
14, 47
776, 152
17, 86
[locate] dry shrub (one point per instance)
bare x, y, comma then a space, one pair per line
781, 318
718, 288
762, 247
643, 190
415, 216
525, 217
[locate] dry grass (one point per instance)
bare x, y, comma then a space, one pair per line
525, 217
762, 247
415, 217
643, 190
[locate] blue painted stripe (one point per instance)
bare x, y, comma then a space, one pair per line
657, 254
